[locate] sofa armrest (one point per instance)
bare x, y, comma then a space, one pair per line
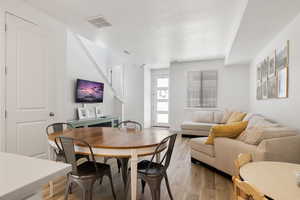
227, 151
284, 149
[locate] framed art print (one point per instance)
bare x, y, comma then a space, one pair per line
282, 70
282, 82
272, 65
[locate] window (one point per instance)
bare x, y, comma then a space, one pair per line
202, 89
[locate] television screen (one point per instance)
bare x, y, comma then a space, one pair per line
89, 91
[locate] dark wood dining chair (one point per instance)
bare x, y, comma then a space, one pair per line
56, 127
131, 126
152, 173
85, 174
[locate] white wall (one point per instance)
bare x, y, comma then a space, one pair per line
285, 111
233, 87
79, 65
134, 92
70, 62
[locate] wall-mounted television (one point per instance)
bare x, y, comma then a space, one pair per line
89, 91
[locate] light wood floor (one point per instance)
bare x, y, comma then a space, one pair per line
188, 181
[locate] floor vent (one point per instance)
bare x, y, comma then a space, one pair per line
99, 22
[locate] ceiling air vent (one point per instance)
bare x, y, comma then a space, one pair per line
99, 22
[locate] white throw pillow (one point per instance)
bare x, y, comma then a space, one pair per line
249, 116
203, 116
255, 135
259, 121
218, 117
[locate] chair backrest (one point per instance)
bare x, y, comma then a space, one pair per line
167, 143
57, 127
246, 191
128, 124
67, 146
242, 159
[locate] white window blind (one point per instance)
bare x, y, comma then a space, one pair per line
202, 89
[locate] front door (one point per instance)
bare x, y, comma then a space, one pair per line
160, 98
28, 92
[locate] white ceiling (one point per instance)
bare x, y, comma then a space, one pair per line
154, 31
262, 20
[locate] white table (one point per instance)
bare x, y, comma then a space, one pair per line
275, 179
22, 176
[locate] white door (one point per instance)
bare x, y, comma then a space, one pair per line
160, 98
28, 99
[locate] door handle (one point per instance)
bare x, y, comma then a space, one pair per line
51, 114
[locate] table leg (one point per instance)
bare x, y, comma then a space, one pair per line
51, 157
51, 189
134, 160
124, 168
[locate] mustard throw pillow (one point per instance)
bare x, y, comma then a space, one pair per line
236, 117
228, 130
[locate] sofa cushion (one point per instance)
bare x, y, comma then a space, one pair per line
249, 116
259, 121
255, 135
227, 113
218, 117
196, 126
198, 144
232, 130
203, 116
236, 117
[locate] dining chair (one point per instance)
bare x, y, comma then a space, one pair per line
248, 191
152, 173
85, 174
241, 160
56, 127
128, 125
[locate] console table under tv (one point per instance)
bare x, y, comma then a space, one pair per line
107, 121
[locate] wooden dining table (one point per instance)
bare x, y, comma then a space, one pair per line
276, 180
119, 143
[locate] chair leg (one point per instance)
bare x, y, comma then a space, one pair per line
91, 189
106, 159
111, 184
86, 187
124, 168
119, 165
128, 183
143, 186
70, 189
67, 190
154, 185
168, 186
155, 193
